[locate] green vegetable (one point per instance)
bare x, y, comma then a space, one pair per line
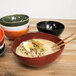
41, 49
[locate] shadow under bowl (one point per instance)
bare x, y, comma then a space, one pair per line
37, 61
51, 27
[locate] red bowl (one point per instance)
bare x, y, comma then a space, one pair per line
37, 61
1, 36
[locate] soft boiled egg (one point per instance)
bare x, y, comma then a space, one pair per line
27, 46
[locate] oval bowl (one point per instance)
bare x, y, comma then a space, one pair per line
14, 32
37, 61
14, 20
51, 27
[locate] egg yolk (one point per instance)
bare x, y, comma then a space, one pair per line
28, 46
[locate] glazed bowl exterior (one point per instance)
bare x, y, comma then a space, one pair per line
14, 20
2, 44
37, 61
2, 50
1, 36
50, 27
14, 32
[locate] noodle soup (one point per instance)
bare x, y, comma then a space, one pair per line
35, 48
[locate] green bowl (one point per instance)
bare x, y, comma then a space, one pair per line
14, 20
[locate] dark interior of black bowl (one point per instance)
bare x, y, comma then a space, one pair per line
51, 27
13, 20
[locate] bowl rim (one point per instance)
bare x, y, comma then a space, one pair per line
16, 28
50, 21
14, 15
40, 56
2, 31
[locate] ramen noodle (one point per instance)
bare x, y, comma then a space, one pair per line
35, 48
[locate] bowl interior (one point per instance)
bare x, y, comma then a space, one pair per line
36, 35
14, 18
50, 25
1, 34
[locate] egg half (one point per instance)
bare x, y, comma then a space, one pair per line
27, 46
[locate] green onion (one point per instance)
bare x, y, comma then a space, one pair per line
41, 49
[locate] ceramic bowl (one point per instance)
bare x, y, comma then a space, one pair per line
14, 20
15, 25
51, 27
37, 61
14, 32
2, 44
2, 50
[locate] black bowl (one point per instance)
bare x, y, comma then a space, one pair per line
51, 27
2, 50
